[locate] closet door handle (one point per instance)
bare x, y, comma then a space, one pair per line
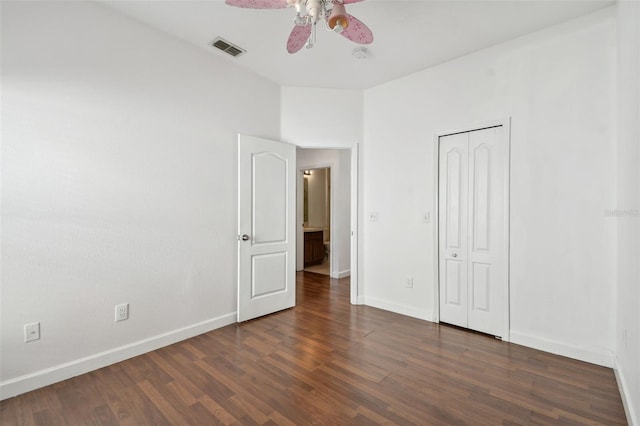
245, 237
454, 255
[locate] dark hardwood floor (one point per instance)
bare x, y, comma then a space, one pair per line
327, 362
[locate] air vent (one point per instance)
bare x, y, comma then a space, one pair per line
227, 47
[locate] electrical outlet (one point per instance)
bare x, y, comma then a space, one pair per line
409, 283
373, 216
122, 312
31, 332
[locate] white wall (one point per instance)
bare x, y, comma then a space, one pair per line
340, 162
327, 118
118, 171
558, 86
628, 206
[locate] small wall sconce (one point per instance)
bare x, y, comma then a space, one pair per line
307, 172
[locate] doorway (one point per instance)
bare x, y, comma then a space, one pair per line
316, 221
334, 220
473, 229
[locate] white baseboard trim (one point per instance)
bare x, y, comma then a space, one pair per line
627, 402
48, 376
603, 357
409, 311
344, 274
360, 300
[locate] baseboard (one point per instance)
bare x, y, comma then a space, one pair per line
360, 300
603, 358
409, 311
344, 274
627, 402
38, 379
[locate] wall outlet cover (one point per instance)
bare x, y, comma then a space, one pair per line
122, 312
31, 332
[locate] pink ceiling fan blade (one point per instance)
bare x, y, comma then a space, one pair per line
351, 1
258, 4
357, 32
298, 37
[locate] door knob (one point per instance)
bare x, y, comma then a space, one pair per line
454, 255
245, 237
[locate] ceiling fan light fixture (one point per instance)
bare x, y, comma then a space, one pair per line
330, 12
338, 19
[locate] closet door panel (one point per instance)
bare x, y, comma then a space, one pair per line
486, 248
453, 189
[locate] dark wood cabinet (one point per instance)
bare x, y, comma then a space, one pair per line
313, 248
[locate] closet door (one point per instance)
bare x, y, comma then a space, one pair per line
472, 231
453, 194
486, 239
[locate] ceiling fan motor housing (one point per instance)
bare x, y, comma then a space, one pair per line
314, 9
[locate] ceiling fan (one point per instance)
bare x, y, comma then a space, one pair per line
308, 13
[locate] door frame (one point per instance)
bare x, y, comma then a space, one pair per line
505, 123
355, 298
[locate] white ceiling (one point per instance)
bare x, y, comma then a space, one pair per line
409, 35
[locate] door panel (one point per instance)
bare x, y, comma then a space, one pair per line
266, 219
269, 207
454, 191
481, 277
453, 280
453, 227
481, 213
486, 222
267, 269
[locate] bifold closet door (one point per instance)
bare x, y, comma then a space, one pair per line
453, 194
472, 246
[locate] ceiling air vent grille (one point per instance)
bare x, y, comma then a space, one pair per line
226, 47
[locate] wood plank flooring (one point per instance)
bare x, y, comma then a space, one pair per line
327, 362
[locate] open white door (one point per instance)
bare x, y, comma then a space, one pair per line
266, 227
